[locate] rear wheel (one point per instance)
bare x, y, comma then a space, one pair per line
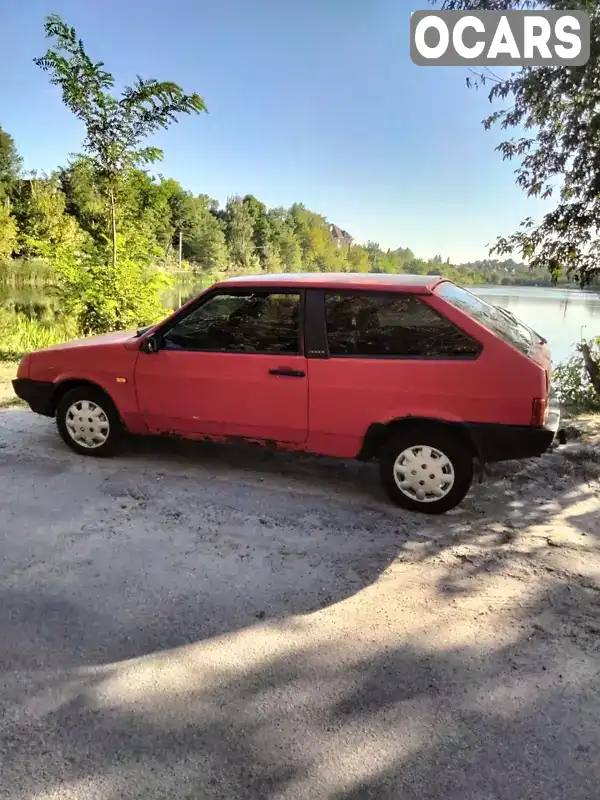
426, 468
88, 422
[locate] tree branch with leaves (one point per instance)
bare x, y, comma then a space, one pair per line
556, 111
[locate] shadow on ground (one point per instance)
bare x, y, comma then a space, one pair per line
214, 622
322, 720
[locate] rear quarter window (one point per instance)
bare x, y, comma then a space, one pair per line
401, 326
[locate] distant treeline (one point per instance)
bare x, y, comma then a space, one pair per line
45, 216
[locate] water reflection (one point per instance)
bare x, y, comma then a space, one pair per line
560, 315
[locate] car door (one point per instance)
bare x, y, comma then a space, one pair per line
384, 356
232, 365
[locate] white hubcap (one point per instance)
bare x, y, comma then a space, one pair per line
87, 424
424, 473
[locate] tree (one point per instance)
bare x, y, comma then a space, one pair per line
239, 226
115, 128
10, 164
559, 155
204, 241
8, 232
83, 198
38, 209
358, 259
263, 233
319, 253
285, 241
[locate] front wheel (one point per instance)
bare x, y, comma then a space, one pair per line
88, 422
426, 468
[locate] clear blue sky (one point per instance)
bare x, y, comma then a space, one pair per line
314, 101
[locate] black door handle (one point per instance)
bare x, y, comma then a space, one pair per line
287, 372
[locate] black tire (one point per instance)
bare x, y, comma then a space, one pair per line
101, 401
446, 442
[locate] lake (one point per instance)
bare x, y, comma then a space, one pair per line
557, 314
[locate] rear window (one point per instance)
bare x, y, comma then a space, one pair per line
493, 318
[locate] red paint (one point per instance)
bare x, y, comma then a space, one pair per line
224, 394
232, 395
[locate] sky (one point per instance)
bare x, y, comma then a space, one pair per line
315, 102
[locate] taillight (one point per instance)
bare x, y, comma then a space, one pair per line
539, 412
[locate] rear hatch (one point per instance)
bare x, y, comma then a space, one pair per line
535, 345
501, 322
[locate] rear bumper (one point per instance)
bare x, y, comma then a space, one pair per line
37, 394
505, 442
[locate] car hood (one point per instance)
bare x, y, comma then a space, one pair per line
117, 337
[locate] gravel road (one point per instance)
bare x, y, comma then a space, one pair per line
189, 621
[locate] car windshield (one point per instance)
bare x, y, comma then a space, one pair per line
495, 319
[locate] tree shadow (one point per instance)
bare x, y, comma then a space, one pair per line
304, 719
186, 634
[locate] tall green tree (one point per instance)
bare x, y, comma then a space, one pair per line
263, 235
10, 164
204, 242
115, 127
319, 253
285, 240
239, 226
43, 227
8, 232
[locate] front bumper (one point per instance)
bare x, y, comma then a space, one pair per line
505, 442
37, 394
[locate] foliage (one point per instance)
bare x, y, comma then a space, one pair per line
20, 335
572, 381
205, 242
24, 272
558, 108
8, 232
115, 128
38, 209
103, 298
239, 227
10, 164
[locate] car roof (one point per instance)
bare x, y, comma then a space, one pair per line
423, 284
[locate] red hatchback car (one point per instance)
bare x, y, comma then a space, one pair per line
413, 371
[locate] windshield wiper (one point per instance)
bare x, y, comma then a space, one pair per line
142, 331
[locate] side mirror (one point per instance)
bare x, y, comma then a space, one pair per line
150, 345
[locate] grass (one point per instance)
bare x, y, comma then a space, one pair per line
26, 272
20, 335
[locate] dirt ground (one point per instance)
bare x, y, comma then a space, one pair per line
8, 399
206, 622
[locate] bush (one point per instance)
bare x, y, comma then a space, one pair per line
572, 383
104, 298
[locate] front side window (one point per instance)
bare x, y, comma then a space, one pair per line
401, 327
252, 322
